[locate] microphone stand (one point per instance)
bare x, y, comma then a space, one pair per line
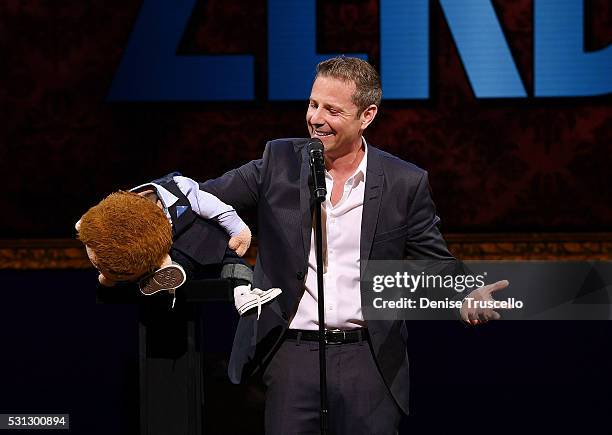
319, 192
321, 307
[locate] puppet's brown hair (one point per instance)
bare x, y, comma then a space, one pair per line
128, 233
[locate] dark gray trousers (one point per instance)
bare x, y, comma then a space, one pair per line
359, 401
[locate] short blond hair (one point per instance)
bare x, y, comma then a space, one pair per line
128, 233
368, 89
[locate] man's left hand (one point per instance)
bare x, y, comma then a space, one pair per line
473, 315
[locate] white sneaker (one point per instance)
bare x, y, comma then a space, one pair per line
246, 298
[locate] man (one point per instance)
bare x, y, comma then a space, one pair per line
378, 207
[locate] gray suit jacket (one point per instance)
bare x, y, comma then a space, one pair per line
399, 221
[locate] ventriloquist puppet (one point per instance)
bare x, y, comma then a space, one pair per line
164, 232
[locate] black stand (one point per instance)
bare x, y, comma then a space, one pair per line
321, 307
170, 358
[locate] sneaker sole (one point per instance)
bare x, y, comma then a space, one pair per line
167, 278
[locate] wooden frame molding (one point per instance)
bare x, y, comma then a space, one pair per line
531, 246
43, 254
32, 254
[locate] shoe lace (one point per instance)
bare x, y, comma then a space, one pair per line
258, 294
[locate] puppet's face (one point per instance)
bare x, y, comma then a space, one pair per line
110, 275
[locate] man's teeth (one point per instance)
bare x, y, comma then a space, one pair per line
323, 133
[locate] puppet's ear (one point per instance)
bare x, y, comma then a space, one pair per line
167, 261
150, 194
105, 281
77, 226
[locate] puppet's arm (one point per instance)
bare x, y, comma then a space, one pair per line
209, 206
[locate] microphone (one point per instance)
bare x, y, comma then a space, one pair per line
317, 168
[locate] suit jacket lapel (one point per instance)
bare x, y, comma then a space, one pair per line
371, 201
305, 203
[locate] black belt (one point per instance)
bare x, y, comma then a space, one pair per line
332, 336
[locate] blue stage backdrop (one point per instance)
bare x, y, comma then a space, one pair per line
506, 104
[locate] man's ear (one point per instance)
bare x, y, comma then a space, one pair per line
368, 115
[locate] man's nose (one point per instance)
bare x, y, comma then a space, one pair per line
316, 117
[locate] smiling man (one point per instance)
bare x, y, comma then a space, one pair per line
338, 113
378, 207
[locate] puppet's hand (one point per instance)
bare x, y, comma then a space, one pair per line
105, 281
241, 241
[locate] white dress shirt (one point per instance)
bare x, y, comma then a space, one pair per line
341, 262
